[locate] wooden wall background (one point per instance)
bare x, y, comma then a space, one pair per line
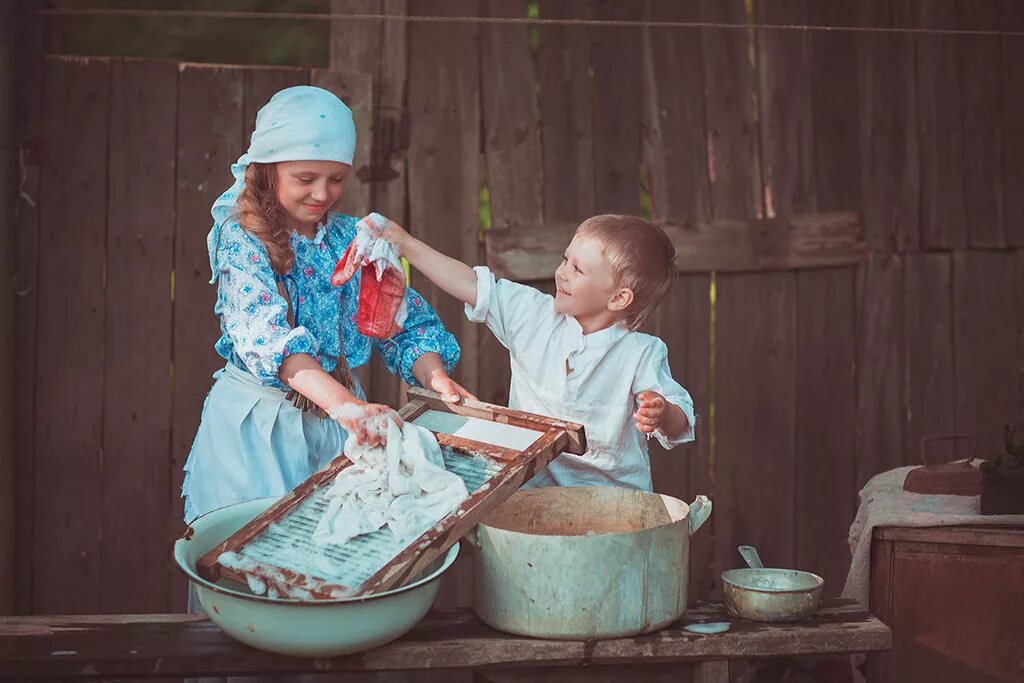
808, 380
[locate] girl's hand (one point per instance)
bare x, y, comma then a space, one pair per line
651, 411
367, 422
449, 389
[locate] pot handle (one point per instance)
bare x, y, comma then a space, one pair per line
700, 510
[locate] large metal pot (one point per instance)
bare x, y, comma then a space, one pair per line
585, 563
322, 628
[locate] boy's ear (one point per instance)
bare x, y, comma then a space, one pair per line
621, 300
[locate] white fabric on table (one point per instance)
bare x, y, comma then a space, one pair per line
883, 502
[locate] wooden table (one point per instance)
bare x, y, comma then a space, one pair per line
137, 646
954, 597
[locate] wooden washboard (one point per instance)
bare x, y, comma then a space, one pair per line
277, 546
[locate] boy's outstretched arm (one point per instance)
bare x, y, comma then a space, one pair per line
451, 275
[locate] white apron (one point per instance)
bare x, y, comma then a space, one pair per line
253, 443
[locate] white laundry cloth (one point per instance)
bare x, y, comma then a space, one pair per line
403, 486
883, 502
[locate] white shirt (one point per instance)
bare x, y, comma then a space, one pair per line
609, 368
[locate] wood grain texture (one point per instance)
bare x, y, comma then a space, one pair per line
890, 165
880, 366
565, 108
807, 241
138, 334
940, 98
756, 329
25, 244
69, 399
190, 645
986, 317
211, 119
1011, 18
444, 151
928, 327
512, 150
733, 164
981, 75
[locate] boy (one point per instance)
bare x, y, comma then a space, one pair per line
577, 355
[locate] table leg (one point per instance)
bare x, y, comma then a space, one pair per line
711, 671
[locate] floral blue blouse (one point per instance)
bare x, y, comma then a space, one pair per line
256, 336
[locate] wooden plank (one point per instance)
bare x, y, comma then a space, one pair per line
379, 50
1004, 537
9, 137
1012, 99
825, 438
652, 673
786, 122
755, 389
951, 626
444, 149
826, 313
676, 160
565, 112
26, 243
807, 241
137, 352
940, 97
616, 63
928, 326
69, 399
176, 644
210, 125
511, 133
986, 314
981, 75
835, 99
890, 167
355, 90
673, 97
733, 166
880, 600
880, 366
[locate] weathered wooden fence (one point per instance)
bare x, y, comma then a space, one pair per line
808, 380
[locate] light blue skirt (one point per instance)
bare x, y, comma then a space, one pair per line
253, 443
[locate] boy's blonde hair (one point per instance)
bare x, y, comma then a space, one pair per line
642, 258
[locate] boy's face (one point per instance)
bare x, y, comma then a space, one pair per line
309, 189
585, 281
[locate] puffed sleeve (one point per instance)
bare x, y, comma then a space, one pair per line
654, 374
252, 311
422, 333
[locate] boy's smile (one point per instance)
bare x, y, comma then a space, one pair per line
585, 286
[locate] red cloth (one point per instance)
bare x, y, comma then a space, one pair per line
379, 300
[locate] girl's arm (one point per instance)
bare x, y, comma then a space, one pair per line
430, 373
451, 275
303, 374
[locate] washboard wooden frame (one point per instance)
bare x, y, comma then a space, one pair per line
507, 470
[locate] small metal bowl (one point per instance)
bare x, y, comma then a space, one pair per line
771, 595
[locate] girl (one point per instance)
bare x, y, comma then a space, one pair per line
280, 408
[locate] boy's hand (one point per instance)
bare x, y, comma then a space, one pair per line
651, 412
393, 233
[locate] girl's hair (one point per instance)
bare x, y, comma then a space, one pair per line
642, 257
260, 213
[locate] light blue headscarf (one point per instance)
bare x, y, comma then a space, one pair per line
302, 123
